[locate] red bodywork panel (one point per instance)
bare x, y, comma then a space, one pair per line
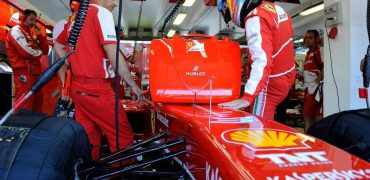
238, 145
185, 68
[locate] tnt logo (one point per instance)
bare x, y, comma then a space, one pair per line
297, 159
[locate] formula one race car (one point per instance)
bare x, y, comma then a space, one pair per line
188, 76
199, 71
183, 134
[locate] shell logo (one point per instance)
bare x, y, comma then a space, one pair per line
265, 139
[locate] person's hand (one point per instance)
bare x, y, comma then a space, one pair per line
236, 104
138, 95
66, 98
38, 29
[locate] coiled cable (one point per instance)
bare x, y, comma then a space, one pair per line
78, 24
137, 31
171, 15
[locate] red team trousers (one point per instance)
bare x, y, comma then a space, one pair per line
23, 83
95, 111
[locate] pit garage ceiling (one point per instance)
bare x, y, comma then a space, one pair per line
200, 18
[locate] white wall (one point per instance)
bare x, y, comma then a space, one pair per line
346, 50
317, 24
359, 43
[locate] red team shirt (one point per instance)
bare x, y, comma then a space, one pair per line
313, 61
98, 30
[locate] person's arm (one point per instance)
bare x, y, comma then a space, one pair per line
42, 41
107, 37
321, 76
320, 64
19, 42
60, 51
123, 71
261, 50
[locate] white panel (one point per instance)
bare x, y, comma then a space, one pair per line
347, 50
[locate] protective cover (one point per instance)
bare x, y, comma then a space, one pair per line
191, 68
49, 151
348, 130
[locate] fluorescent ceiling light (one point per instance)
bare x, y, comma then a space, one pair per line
188, 3
299, 40
180, 17
171, 33
312, 10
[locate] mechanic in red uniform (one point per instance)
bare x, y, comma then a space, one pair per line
24, 50
269, 34
313, 74
92, 67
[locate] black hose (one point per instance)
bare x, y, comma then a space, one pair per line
49, 73
171, 15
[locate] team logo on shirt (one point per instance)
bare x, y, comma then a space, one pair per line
111, 36
269, 8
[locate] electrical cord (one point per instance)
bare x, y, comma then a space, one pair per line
331, 65
137, 30
171, 15
169, 8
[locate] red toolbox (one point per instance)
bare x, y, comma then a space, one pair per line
189, 68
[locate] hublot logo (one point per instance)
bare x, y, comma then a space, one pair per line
195, 72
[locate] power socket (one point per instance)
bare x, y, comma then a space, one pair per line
333, 14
